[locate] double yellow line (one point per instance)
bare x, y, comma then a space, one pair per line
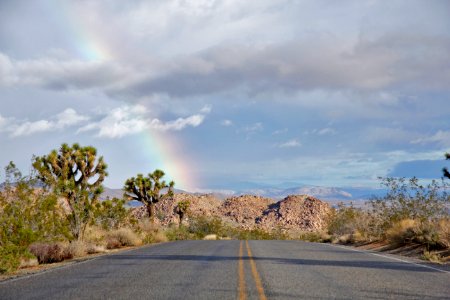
242, 295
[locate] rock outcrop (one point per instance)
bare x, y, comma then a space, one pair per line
243, 210
200, 205
298, 212
295, 212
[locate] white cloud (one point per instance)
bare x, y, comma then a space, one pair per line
17, 128
127, 120
29, 128
280, 131
69, 117
3, 123
253, 128
326, 130
290, 144
226, 123
177, 124
441, 137
206, 109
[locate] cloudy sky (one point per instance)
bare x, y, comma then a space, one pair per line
217, 93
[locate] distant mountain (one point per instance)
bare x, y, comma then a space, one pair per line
325, 193
278, 192
118, 193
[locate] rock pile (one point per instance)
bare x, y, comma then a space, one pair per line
204, 205
295, 212
243, 210
299, 212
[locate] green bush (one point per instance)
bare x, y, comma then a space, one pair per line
27, 215
112, 214
317, 237
176, 233
351, 222
202, 226
408, 199
10, 256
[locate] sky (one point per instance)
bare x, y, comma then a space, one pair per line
220, 94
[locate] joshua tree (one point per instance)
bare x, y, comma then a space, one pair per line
181, 209
445, 170
148, 190
76, 174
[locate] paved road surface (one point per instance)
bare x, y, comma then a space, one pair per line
235, 270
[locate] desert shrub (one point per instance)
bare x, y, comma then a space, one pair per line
258, 234
408, 199
76, 249
112, 214
201, 226
150, 232
27, 215
47, 253
431, 256
315, 236
10, 256
443, 228
176, 233
351, 224
157, 237
432, 234
121, 238
402, 232
95, 234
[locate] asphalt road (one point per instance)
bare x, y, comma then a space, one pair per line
235, 270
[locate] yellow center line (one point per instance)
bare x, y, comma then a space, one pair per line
255, 274
242, 294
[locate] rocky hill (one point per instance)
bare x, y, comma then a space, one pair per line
243, 210
299, 212
295, 212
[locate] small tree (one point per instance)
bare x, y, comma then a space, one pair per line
181, 209
148, 190
75, 174
27, 214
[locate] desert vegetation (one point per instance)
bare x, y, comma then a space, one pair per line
409, 214
55, 213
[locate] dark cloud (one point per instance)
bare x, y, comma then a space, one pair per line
420, 63
419, 168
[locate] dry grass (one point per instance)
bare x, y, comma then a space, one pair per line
403, 232
122, 237
76, 249
28, 263
95, 235
443, 228
432, 256
93, 249
151, 233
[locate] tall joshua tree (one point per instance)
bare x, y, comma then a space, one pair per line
76, 174
445, 170
148, 190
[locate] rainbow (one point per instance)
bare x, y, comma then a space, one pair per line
81, 38
160, 150
165, 154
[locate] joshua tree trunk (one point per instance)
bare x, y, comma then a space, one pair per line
150, 209
181, 219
